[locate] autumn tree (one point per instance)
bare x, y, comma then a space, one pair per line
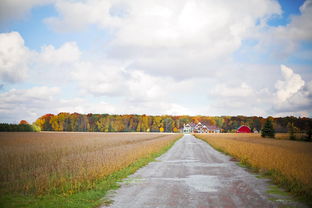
23, 122
61, 122
156, 124
133, 123
44, 122
117, 123
168, 124
103, 123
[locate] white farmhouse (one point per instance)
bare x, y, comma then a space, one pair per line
187, 129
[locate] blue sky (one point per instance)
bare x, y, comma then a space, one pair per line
173, 57
289, 8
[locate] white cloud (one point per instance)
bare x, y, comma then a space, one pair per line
18, 63
16, 9
67, 53
168, 37
100, 79
187, 35
30, 104
136, 91
284, 40
76, 15
293, 93
109, 79
17, 104
300, 27
291, 84
14, 57
232, 91
292, 96
239, 99
35, 94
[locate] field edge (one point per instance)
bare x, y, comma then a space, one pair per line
85, 199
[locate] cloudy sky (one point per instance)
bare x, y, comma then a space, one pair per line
195, 57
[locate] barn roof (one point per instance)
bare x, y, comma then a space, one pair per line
243, 126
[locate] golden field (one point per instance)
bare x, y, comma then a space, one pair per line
68, 162
286, 136
292, 159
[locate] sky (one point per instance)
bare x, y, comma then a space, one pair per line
177, 57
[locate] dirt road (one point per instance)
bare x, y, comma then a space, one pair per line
193, 174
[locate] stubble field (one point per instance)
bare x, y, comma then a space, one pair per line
52, 162
288, 162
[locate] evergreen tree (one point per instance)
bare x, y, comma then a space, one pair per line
268, 130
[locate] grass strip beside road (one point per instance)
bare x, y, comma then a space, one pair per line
84, 199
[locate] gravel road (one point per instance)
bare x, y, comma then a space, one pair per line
193, 174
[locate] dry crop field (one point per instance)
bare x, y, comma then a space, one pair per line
52, 162
292, 159
286, 135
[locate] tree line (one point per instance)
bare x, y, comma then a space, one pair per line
165, 123
23, 126
146, 123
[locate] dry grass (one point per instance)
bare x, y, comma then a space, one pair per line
51, 162
284, 136
292, 159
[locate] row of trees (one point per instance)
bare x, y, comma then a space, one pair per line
165, 123
269, 131
22, 126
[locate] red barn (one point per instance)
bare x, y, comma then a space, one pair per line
243, 129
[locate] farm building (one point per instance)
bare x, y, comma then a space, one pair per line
243, 129
187, 128
199, 128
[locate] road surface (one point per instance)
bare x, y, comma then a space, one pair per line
193, 174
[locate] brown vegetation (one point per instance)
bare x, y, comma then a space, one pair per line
68, 162
291, 159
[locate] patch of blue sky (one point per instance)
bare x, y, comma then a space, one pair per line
303, 54
289, 8
247, 54
36, 33
32, 29
306, 45
5, 87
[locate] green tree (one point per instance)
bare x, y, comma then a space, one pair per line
268, 130
308, 131
291, 131
219, 121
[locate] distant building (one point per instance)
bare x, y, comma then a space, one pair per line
199, 128
187, 129
243, 129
